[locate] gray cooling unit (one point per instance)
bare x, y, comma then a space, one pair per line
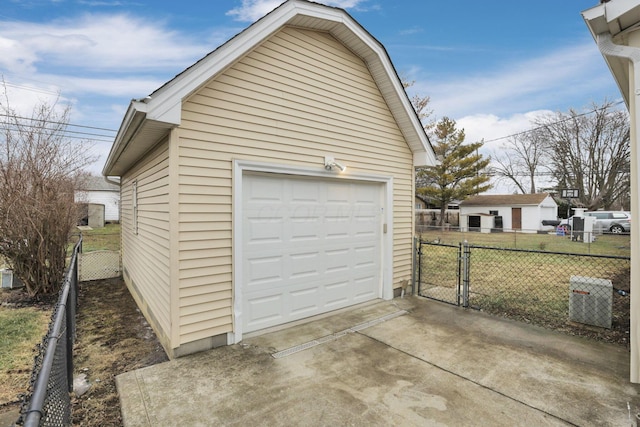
590, 301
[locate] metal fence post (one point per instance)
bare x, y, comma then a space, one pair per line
419, 254
459, 275
466, 261
413, 265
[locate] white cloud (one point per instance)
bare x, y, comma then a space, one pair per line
541, 82
494, 129
252, 10
96, 42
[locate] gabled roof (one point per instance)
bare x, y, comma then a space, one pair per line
148, 120
97, 183
616, 18
505, 200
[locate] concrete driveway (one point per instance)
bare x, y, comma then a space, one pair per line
403, 362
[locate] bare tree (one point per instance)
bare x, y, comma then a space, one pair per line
590, 152
521, 160
420, 104
39, 171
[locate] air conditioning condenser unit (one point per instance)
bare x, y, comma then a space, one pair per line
591, 301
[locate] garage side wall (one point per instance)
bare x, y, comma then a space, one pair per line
145, 239
299, 96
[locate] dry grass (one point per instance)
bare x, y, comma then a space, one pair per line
21, 328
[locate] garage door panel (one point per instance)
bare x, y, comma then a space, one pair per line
305, 230
304, 302
261, 231
263, 272
362, 287
305, 265
337, 294
312, 247
265, 310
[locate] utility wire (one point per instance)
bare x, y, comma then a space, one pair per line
66, 132
553, 123
31, 89
56, 123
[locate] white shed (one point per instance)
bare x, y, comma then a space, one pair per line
522, 212
98, 191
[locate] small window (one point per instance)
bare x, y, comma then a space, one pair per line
134, 201
493, 213
619, 215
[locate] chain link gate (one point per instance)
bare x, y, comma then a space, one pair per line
439, 271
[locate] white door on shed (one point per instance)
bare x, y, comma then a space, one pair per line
310, 246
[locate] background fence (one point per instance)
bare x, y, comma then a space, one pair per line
100, 257
47, 403
580, 293
549, 240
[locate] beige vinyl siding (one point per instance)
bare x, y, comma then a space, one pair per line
299, 96
145, 255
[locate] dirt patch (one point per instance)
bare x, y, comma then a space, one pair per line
112, 338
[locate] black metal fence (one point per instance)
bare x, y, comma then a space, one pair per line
48, 402
579, 293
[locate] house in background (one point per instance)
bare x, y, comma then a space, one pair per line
615, 27
96, 190
269, 182
522, 212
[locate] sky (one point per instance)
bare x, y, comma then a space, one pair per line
490, 65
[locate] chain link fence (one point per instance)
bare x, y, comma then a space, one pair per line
47, 402
549, 239
578, 293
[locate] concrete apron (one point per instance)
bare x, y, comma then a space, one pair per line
403, 362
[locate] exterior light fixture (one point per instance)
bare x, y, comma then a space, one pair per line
330, 163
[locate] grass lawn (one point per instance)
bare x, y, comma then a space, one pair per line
106, 238
21, 328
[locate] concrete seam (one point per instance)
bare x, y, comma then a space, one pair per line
145, 396
328, 338
470, 380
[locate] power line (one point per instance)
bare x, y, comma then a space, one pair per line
57, 123
553, 123
64, 132
31, 89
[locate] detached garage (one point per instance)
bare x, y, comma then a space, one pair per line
269, 182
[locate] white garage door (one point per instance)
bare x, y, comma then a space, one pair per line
309, 246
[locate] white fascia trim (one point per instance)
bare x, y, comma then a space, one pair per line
134, 118
241, 166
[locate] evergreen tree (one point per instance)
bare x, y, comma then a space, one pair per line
461, 171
